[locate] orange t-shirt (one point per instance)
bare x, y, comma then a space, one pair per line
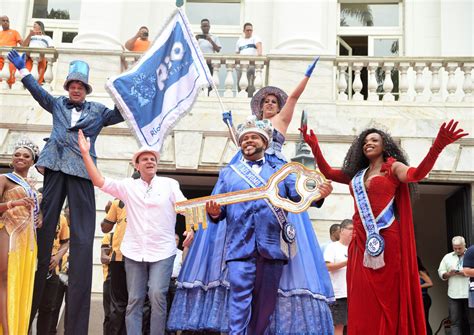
141, 45
9, 38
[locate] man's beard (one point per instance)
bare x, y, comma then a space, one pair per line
257, 151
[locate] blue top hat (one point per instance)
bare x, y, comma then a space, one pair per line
78, 71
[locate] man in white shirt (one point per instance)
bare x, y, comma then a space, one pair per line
248, 45
207, 42
335, 256
334, 232
149, 245
451, 269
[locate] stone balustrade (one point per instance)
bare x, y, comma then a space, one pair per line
354, 79
404, 79
36, 55
233, 75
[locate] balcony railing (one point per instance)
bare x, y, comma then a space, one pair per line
229, 72
400, 79
404, 79
36, 55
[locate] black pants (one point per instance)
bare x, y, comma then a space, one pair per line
80, 193
426, 307
47, 305
106, 303
61, 294
118, 299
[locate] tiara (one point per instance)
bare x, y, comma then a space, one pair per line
28, 144
252, 124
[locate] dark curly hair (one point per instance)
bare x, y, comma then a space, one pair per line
355, 159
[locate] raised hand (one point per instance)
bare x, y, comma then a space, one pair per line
448, 134
310, 138
227, 118
310, 69
328, 172
84, 144
16, 59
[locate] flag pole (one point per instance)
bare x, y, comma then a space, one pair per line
231, 129
179, 3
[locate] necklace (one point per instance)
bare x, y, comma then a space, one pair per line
16, 174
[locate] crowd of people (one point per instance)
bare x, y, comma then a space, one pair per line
257, 268
249, 44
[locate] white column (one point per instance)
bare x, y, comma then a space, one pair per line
244, 82
216, 67
467, 85
403, 85
419, 83
341, 82
18, 85
129, 61
388, 83
372, 84
357, 84
229, 79
435, 83
34, 69
48, 74
259, 77
451, 87
5, 73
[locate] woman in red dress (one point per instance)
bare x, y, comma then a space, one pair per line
384, 295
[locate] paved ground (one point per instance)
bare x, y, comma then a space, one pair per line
95, 321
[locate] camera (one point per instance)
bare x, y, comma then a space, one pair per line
145, 34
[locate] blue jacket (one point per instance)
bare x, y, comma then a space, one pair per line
61, 151
251, 225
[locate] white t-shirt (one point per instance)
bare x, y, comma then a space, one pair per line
337, 252
206, 46
41, 41
247, 46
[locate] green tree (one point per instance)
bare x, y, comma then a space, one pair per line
59, 14
360, 12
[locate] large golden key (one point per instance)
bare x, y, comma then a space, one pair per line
307, 182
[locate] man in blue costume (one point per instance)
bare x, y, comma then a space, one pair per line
256, 243
66, 175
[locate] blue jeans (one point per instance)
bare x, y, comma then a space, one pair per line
153, 277
458, 314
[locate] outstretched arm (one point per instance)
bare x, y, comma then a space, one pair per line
330, 173
447, 134
45, 99
282, 120
94, 173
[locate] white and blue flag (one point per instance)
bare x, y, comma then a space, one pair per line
163, 85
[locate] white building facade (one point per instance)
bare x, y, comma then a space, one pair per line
404, 66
